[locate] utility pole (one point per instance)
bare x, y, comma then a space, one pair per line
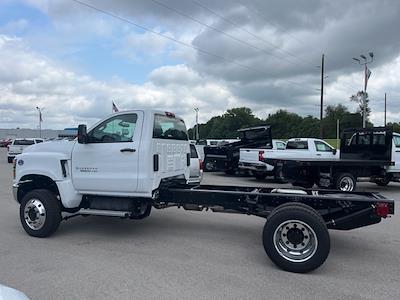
321, 129
385, 109
197, 123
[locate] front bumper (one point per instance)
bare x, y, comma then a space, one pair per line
15, 187
255, 167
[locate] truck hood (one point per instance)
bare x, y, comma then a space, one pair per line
62, 147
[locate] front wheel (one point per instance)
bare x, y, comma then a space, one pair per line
40, 213
296, 238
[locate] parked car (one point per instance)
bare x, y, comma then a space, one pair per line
196, 166
5, 142
250, 159
226, 157
18, 145
7, 293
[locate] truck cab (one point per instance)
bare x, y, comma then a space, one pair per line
119, 164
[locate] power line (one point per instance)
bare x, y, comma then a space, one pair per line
266, 19
205, 52
222, 32
248, 32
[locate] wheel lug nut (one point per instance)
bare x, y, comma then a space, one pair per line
287, 242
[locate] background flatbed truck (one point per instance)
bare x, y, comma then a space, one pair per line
370, 153
134, 161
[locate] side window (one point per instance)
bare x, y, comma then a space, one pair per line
115, 130
320, 146
298, 145
193, 152
364, 139
378, 139
396, 141
280, 146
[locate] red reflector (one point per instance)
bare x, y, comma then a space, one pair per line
382, 209
261, 155
201, 165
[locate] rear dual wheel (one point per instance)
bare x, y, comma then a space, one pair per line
296, 238
345, 182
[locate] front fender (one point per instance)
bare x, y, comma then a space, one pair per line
40, 163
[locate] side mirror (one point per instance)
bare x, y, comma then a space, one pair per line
82, 134
334, 151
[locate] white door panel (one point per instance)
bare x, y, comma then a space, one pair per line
111, 163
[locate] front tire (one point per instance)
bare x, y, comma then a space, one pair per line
40, 213
296, 238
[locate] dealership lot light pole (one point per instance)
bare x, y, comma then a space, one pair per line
40, 120
367, 73
197, 124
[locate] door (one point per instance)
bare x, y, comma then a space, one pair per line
323, 150
396, 153
109, 161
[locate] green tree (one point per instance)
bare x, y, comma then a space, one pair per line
359, 99
226, 126
346, 119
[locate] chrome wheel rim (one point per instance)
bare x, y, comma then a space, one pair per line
346, 184
295, 241
34, 214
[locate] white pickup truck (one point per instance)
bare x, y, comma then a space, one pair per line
253, 159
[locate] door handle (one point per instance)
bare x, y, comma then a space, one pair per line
128, 150
318, 154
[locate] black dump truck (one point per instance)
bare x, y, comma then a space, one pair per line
226, 158
371, 154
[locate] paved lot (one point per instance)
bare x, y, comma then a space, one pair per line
189, 255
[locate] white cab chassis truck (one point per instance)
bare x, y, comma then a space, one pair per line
137, 160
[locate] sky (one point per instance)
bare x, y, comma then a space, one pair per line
73, 58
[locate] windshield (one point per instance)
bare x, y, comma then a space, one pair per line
23, 142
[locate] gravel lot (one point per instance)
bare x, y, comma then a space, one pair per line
189, 255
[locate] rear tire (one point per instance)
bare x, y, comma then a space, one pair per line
296, 238
40, 213
306, 185
209, 166
259, 175
345, 182
230, 172
142, 212
383, 181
